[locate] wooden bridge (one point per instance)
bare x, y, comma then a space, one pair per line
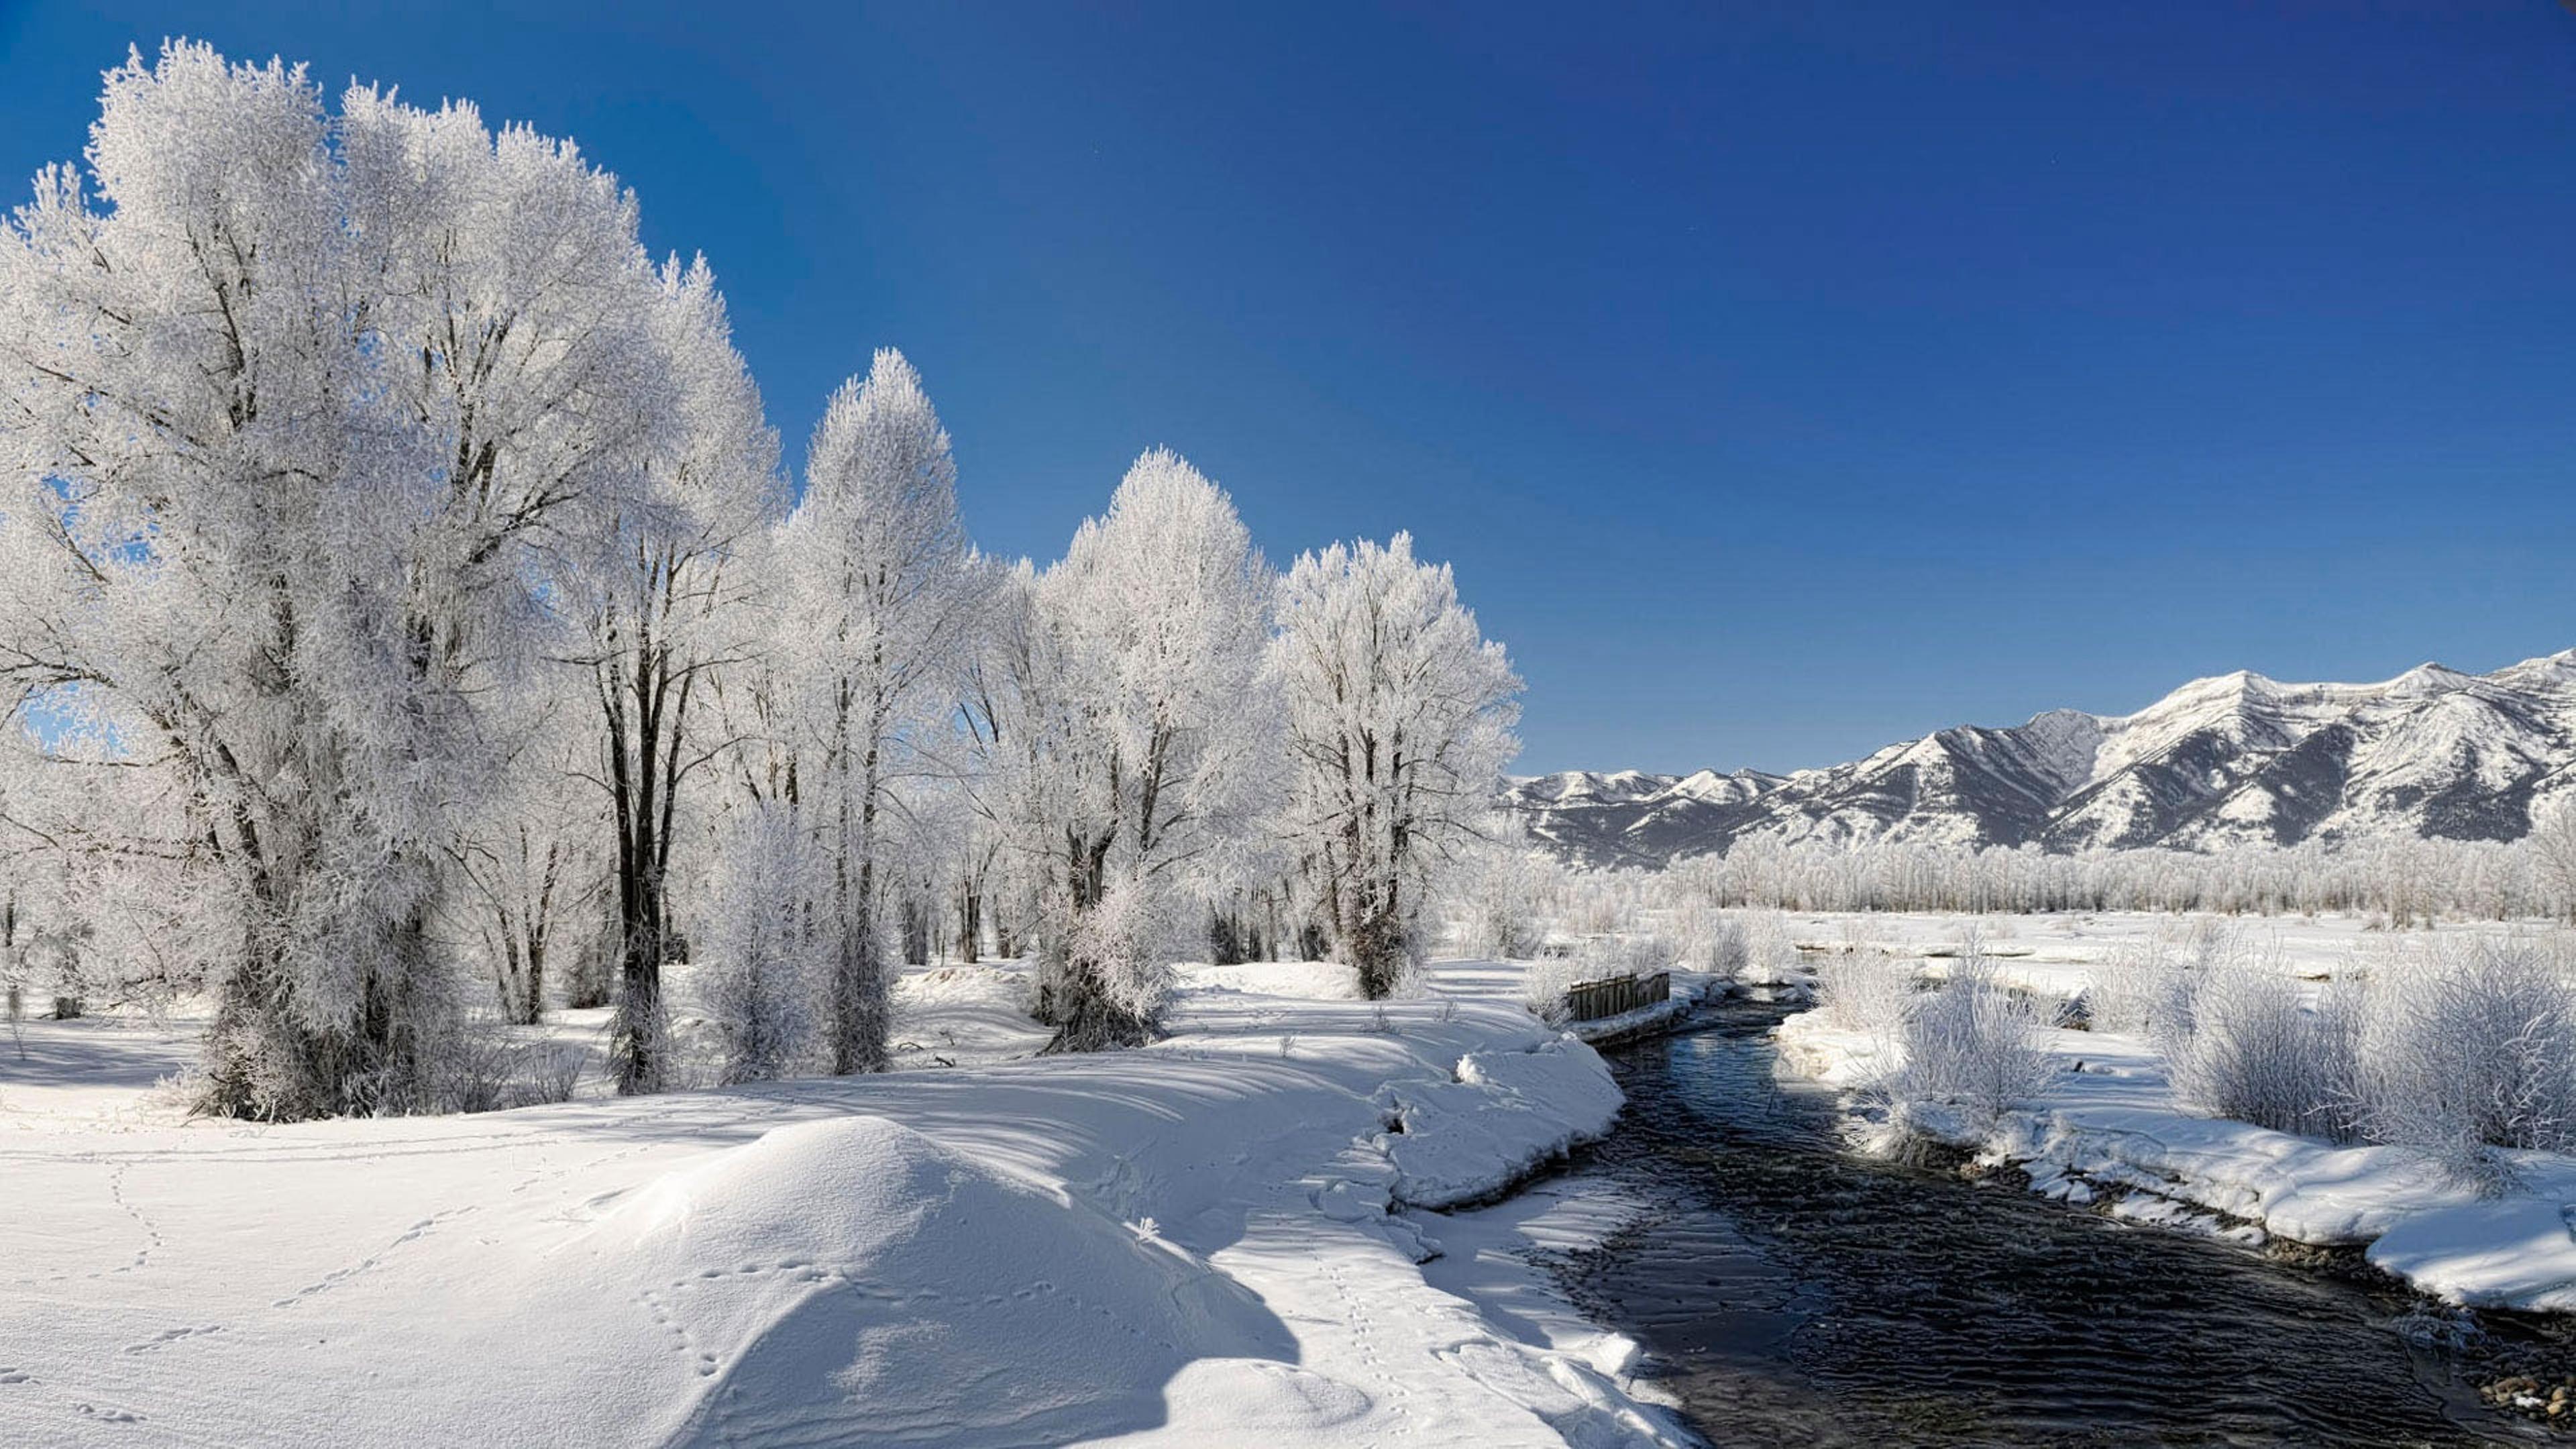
1593, 1000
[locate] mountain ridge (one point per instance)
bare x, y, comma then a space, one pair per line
2228, 760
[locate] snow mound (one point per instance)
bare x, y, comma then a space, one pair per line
851, 1278
2517, 1253
1506, 1113
1308, 980
1198, 1244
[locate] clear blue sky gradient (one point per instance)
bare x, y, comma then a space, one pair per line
1782, 379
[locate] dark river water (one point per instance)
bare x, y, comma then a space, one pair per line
1792, 1293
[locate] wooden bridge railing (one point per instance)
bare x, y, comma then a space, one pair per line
1593, 1000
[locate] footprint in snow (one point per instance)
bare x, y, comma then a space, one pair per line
169, 1336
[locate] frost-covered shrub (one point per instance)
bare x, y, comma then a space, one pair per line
1597, 958
1497, 891
2138, 985
2472, 1047
1704, 937
763, 962
2209, 942
2242, 1040
1597, 903
551, 1072
1770, 955
1867, 991
1972, 1043
1729, 948
1118, 957
2456, 1049
487, 1069
1690, 928
1633, 954
475, 1075
1545, 982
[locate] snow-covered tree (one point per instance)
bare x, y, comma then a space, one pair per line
877, 606
2551, 846
292, 415
669, 588
1399, 725
531, 854
760, 953
56, 817
1138, 749
996, 866
1496, 890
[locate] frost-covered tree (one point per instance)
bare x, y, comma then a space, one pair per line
293, 415
530, 854
995, 863
1497, 888
2551, 846
97, 855
53, 819
1399, 725
669, 588
1136, 750
760, 951
184, 563
877, 606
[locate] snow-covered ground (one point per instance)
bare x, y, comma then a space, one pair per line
1216, 1240
2107, 1127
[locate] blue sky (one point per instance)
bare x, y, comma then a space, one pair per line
1782, 379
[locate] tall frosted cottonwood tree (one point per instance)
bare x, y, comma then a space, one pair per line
878, 608
1139, 750
999, 862
670, 588
288, 419
1399, 725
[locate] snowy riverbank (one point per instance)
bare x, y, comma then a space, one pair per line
1216, 1240
2107, 1128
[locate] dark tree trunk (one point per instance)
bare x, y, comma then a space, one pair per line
970, 924
1088, 1023
916, 931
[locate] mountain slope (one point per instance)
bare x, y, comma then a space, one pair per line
2234, 760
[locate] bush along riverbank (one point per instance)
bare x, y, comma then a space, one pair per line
2100, 1116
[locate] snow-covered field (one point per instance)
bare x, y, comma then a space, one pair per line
2107, 1126
1215, 1240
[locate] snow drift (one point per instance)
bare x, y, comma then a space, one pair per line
1205, 1242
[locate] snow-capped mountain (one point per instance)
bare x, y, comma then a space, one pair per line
2234, 760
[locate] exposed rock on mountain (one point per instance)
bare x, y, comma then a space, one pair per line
2234, 760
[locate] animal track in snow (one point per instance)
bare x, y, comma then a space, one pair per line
151, 1232
338, 1276
169, 1336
